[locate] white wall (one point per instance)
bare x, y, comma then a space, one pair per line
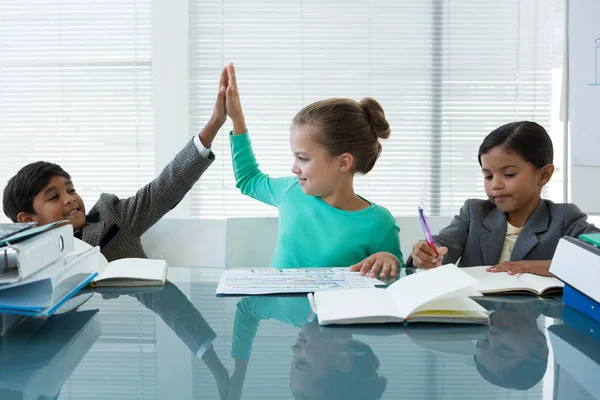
584, 103
241, 242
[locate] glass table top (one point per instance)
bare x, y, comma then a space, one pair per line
183, 342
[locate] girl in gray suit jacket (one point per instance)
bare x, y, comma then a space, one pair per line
514, 230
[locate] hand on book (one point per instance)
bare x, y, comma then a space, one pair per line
537, 267
382, 263
424, 257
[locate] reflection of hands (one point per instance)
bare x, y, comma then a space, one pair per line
236, 383
223, 384
218, 371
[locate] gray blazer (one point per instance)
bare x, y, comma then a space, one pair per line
477, 233
174, 308
116, 225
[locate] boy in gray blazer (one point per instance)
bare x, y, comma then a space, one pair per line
43, 192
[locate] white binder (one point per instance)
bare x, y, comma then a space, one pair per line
21, 260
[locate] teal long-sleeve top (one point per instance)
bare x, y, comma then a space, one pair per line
313, 233
293, 311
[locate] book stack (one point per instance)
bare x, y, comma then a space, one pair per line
39, 269
576, 262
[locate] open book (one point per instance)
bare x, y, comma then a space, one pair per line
126, 272
437, 295
131, 272
502, 282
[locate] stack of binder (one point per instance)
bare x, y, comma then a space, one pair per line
576, 262
39, 269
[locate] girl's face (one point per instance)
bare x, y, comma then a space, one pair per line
512, 183
316, 353
318, 171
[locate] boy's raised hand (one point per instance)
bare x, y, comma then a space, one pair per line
219, 115
233, 104
219, 112
424, 257
381, 265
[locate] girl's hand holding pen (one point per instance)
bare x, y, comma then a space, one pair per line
424, 256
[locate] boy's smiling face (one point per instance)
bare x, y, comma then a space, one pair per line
57, 201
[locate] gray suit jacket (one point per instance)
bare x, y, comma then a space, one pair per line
477, 233
174, 308
116, 225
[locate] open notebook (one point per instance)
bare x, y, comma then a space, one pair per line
437, 295
131, 272
126, 272
502, 282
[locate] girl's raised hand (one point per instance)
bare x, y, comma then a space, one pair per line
233, 103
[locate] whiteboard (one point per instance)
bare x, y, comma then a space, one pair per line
584, 82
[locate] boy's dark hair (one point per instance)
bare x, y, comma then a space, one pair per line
22, 188
528, 139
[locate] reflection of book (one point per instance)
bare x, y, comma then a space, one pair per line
38, 356
455, 342
502, 282
437, 295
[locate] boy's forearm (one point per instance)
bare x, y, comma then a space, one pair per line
209, 132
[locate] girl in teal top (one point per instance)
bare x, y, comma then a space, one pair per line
322, 221
326, 363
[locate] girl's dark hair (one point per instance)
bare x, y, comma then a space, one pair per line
523, 376
348, 126
527, 139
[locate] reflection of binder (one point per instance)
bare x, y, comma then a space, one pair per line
576, 346
580, 302
38, 356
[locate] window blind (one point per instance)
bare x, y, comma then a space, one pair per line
76, 89
446, 72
